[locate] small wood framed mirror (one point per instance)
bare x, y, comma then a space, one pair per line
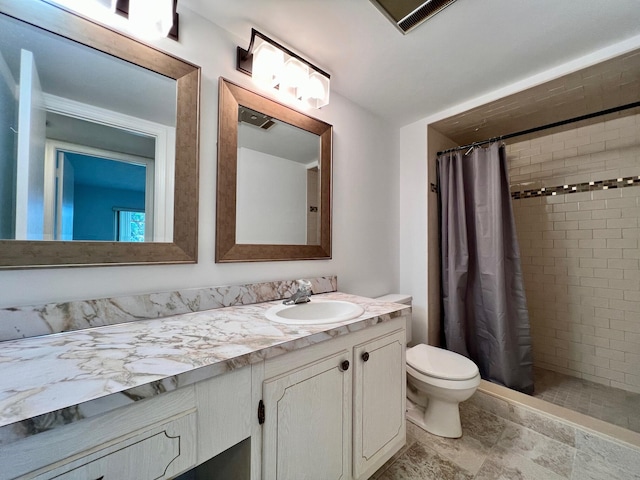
274, 180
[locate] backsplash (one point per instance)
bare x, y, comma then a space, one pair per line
32, 321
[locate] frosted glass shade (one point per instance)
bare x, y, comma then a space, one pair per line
268, 64
317, 90
151, 18
295, 78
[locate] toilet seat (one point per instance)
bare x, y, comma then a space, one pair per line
472, 382
441, 364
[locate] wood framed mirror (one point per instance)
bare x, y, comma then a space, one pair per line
274, 180
35, 25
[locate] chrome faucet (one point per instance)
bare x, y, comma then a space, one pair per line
301, 295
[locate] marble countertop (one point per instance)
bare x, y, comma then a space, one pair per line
97, 369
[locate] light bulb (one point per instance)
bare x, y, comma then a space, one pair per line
295, 78
151, 19
317, 90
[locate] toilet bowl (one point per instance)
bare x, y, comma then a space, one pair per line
437, 381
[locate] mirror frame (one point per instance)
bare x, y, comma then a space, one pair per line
184, 247
227, 250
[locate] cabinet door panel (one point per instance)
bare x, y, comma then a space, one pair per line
159, 453
379, 402
306, 431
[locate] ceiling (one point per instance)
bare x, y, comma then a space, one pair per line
607, 85
281, 140
469, 49
96, 135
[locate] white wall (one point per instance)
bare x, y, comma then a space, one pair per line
271, 199
413, 224
365, 201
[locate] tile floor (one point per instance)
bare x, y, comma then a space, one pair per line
494, 448
612, 405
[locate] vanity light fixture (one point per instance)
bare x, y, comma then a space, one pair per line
151, 19
272, 65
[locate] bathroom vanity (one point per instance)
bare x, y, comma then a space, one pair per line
156, 398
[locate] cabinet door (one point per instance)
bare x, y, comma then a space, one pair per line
307, 421
379, 428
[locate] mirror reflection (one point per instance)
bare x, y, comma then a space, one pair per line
277, 182
87, 142
273, 198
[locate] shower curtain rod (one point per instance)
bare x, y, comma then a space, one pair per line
543, 127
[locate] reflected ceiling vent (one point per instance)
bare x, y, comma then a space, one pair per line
257, 119
408, 14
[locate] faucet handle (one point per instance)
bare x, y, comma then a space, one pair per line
304, 286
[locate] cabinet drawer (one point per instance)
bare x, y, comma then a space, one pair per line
161, 452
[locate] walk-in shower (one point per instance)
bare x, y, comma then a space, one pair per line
576, 199
575, 192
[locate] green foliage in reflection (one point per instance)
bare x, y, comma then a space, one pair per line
137, 227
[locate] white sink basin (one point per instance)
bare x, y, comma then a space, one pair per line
315, 312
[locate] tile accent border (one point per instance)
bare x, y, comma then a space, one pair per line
578, 187
51, 318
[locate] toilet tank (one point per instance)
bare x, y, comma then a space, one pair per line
399, 298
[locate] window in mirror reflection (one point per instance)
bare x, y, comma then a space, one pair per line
277, 197
130, 224
76, 143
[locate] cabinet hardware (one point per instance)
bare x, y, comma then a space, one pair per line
344, 366
365, 356
260, 412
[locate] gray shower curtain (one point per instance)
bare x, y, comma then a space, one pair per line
484, 307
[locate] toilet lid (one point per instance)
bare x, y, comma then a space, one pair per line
440, 363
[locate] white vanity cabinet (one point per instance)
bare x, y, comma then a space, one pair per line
334, 410
328, 413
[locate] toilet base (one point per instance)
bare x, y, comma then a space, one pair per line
439, 418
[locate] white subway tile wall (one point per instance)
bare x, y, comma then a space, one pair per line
580, 251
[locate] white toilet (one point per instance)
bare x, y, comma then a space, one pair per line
437, 381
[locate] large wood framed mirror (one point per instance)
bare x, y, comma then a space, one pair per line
274, 180
98, 144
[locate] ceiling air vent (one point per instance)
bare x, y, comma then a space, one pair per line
408, 14
257, 119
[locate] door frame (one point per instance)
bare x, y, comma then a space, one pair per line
165, 149
52, 197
